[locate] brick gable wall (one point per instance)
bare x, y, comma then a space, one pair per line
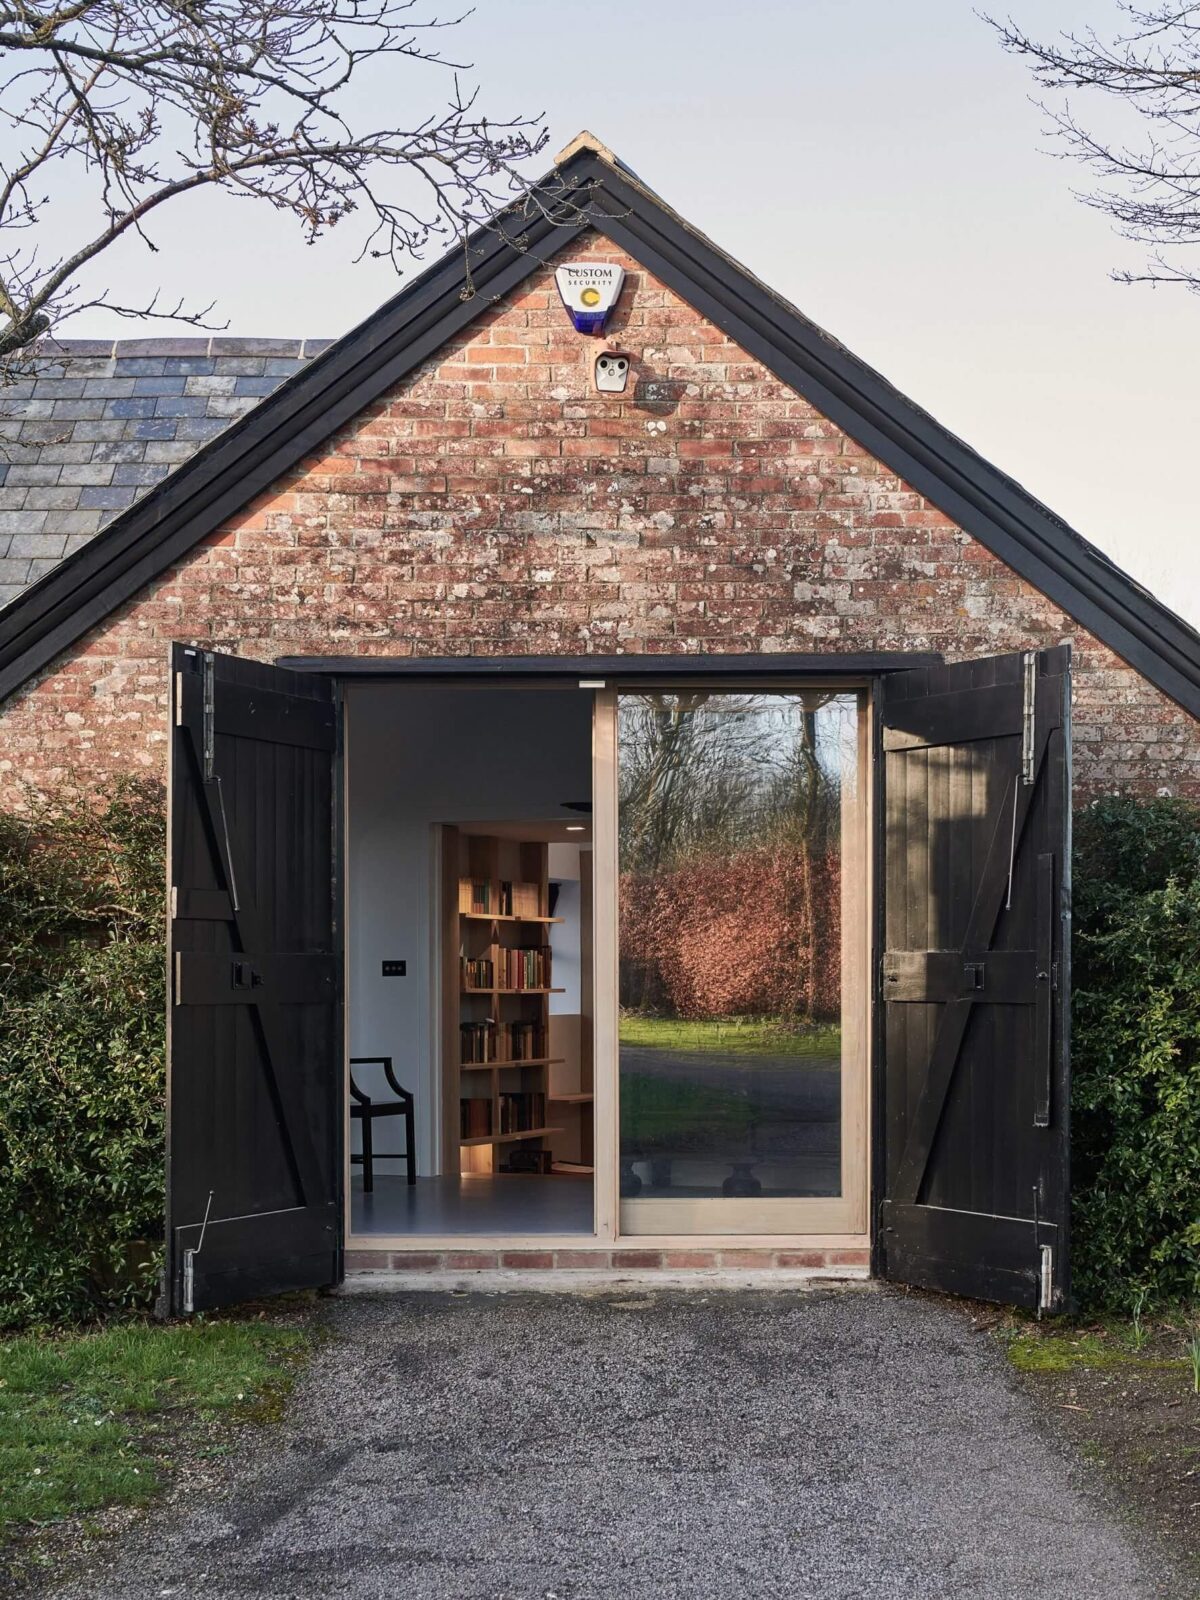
492, 504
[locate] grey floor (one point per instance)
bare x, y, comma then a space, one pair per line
507, 1203
645, 1445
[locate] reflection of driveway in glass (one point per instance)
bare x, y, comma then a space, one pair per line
694, 1113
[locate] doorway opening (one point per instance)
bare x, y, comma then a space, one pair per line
469, 961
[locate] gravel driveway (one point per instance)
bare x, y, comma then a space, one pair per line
645, 1445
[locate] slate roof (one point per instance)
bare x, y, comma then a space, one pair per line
104, 421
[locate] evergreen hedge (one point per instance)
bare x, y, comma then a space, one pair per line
1135, 1057
81, 1054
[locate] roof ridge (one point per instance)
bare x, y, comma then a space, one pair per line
171, 345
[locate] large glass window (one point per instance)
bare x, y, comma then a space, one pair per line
739, 822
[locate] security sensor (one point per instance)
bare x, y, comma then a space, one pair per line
610, 371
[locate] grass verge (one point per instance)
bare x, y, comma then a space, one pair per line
92, 1420
1124, 1390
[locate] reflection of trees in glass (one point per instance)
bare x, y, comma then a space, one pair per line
729, 830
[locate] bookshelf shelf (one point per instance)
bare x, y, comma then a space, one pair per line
580, 1099
486, 916
501, 1066
508, 1138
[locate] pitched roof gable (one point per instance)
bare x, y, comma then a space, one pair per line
248, 458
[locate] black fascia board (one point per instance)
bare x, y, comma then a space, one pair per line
247, 458
625, 669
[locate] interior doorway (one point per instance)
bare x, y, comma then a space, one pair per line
468, 829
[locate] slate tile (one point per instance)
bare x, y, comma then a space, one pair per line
31, 474
199, 428
187, 366
274, 368
61, 499
58, 389
13, 499
39, 569
10, 591
190, 405
109, 388
157, 386
316, 347
74, 522
141, 367
239, 366
76, 541
74, 349
111, 499
139, 406
79, 410
172, 451
120, 450
143, 473
44, 430
32, 541
231, 405
87, 474
153, 428
209, 385
13, 570
256, 386
97, 430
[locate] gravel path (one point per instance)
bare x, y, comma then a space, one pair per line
645, 1445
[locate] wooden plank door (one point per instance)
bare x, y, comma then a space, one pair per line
254, 1082
974, 978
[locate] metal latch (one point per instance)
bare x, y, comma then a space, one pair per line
1046, 1279
973, 975
189, 1263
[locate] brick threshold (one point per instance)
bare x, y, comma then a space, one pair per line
565, 1280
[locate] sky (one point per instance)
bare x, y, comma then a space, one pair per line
883, 166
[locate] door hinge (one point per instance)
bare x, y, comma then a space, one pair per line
210, 716
1046, 1279
1028, 704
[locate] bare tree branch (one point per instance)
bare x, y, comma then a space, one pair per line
1150, 186
137, 103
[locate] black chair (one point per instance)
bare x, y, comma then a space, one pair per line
366, 1110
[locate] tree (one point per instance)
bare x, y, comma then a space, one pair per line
1149, 186
117, 108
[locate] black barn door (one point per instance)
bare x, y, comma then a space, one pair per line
254, 1030
974, 978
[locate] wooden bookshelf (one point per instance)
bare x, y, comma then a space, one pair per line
496, 1000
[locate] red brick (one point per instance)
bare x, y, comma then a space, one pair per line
414, 1260
594, 1259
689, 1258
801, 1258
533, 1259
747, 1258
637, 1258
470, 1260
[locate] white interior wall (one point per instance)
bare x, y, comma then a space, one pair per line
417, 756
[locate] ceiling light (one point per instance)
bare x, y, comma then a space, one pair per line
575, 827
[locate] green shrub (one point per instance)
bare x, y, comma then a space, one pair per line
1135, 1144
81, 1055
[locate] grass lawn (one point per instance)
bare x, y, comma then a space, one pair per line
741, 1036
89, 1420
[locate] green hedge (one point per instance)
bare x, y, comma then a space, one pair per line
81, 1055
1135, 1060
